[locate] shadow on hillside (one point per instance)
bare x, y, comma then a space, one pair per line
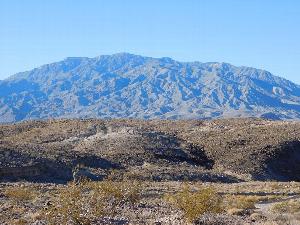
23, 166
284, 165
172, 149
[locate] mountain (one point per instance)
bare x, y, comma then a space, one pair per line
131, 86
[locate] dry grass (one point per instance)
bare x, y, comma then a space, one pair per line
291, 206
20, 194
241, 202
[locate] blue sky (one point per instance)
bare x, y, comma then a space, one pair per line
259, 33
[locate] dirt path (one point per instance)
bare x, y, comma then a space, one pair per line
265, 207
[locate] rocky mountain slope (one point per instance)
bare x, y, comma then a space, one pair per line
218, 150
130, 86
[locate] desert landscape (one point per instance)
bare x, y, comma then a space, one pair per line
123, 171
149, 112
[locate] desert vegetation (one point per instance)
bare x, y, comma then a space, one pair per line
84, 202
195, 204
150, 202
149, 172
80, 203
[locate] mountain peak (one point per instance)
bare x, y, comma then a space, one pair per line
125, 85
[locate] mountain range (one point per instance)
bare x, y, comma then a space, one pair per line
124, 85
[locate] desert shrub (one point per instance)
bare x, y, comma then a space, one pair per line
19, 222
81, 203
20, 198
291, 206
20, 194
194, 204
240, 202
120, 192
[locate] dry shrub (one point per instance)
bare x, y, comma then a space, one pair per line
291, 206
84, 202
195, 204
20, 222
20, 194
241, 202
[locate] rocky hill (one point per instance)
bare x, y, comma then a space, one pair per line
218, 150
131, 86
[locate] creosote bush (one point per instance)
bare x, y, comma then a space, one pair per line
85, 202
194, 204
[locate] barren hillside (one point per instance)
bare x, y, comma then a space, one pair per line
217, 150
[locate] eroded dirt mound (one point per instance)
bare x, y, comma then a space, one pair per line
155, 149
262, 149
52, 150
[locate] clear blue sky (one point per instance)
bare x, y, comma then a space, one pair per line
259, 33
